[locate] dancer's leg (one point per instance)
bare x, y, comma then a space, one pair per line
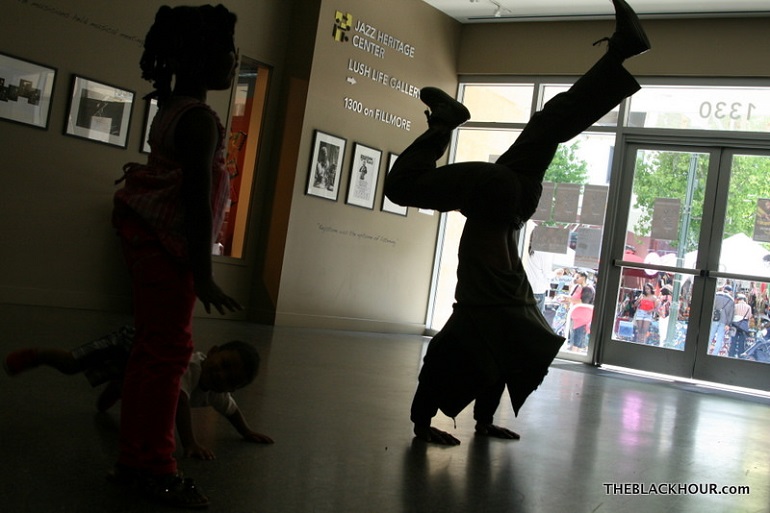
487, 402
430, 390
567, 115
481, 190
485, 191
415, 180
597, 92
484, 410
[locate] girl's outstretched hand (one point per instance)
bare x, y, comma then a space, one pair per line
210, 294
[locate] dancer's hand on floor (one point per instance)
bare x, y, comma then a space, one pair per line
435, 436
496, 432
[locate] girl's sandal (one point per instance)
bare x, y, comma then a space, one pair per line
172, 489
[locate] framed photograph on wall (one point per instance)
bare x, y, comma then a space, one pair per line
323, 178
149, 115
25, 91
364, 170
387, 205
99, 112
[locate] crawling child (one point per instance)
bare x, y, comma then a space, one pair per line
209, 380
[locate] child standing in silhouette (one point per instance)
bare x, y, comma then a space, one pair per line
167, 215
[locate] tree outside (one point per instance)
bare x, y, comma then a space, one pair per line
665, 175
566, 166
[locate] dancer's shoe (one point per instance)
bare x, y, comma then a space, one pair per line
629, 38
444, 110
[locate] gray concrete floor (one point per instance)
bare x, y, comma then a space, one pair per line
337, 405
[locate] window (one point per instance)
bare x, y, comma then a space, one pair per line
581, 167
581, 170
502, 103
734, 109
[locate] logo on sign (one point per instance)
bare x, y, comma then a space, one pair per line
343, 22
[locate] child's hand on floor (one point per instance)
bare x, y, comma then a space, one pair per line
257, 438
198, 451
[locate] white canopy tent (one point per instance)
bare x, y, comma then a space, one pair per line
740, 255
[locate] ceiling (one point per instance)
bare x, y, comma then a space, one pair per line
486, 11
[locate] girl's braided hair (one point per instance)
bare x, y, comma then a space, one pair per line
183, 39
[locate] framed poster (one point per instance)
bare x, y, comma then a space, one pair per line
364, 170
323, 177
387, 205
25, 91
99, 112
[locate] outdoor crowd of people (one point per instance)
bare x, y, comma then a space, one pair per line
738, 321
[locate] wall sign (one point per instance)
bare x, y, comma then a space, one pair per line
369, 43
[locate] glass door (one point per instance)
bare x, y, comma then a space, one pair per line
690, 237
736, 350
660, 227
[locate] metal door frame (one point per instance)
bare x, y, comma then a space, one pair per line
693, 362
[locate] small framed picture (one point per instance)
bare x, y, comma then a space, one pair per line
149, 115
25, 91
99, 112
364, 170
323, 178
387, 205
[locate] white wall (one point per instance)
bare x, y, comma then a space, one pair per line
347, 266
58, 247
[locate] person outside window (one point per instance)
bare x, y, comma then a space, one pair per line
724, 307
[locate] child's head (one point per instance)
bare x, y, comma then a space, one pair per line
229, 367
189, 41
